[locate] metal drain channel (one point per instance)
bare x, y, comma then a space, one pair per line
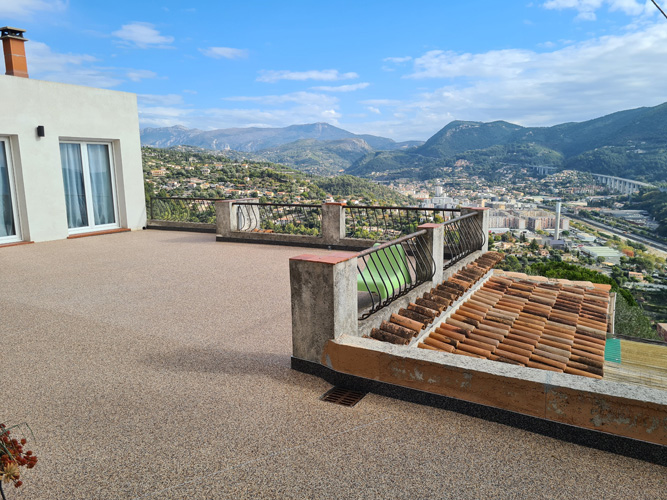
343, 397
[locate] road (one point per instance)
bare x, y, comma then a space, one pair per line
632, 237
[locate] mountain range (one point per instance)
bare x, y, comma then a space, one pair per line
630, 144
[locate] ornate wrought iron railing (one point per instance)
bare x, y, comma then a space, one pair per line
386, 223
283, 218
463, 236
388, 271
200, 210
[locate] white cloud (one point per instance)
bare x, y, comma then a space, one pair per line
264, 111
374, 110
165, 116
224, 53
136, 75
304, 98
45, 64
343, 88
22, 9
272, 76
397, 60
382, 102
586, 8
575, 83
143, 36
160, 100
493, 64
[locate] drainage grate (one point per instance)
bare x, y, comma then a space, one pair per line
341, 396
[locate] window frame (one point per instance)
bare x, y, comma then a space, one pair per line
87, 186
17, 237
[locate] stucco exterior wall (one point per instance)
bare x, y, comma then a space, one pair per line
67, 112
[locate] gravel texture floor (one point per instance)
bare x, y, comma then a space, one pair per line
155, 365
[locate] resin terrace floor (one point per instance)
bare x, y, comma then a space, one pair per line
156, 365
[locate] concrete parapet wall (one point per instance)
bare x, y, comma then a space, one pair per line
180, 226
631, 411
332, 233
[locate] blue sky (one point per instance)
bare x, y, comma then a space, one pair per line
396, 69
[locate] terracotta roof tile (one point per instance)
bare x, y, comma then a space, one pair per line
532, 321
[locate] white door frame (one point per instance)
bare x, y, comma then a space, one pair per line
12, 193
92, 227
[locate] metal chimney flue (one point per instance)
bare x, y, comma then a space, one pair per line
557, 230
13, 46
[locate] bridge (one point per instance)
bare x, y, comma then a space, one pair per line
625, 186
543, 169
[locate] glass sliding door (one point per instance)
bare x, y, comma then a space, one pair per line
9, 227
75, 192
101, 190
89, 186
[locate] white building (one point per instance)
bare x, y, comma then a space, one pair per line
608, 254
70, 156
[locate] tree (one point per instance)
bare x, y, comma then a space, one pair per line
533, 245
512, 263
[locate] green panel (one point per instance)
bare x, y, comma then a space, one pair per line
612, 351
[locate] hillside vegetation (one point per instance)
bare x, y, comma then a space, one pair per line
653, 201
630, 144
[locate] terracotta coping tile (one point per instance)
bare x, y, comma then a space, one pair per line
547, 361
574, 371
333, 258
485, 346
473, 350
99, 233
304, 256
428, 225
18, 243
426, 346
541, 366
550, 355
483, 338
502, 351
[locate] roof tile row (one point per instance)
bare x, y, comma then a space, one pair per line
547, 325
422, 312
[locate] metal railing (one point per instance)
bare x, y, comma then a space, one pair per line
390, 270
201, 210
282, 218
386, 223
463, 236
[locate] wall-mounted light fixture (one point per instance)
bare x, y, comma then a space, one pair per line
40, 131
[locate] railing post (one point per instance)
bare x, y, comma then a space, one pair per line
435, 243
333, 223
151, 206
324, 301
225, 218
483, 219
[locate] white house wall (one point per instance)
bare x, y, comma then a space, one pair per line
68, 112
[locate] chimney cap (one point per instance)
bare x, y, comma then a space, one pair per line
9, 32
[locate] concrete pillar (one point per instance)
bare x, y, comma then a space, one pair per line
226, 218
435, 243
333, 223
483, 217
324, 301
